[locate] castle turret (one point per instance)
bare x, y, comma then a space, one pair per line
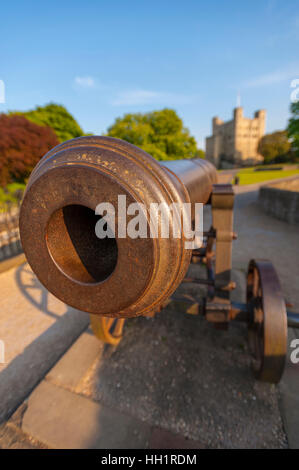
238, 113
216, 122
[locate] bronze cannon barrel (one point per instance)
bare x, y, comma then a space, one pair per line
197, 175
119, 276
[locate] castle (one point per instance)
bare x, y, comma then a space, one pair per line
235, 142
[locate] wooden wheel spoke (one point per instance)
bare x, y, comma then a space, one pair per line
109, 322
108, 330
119, 327
268, 324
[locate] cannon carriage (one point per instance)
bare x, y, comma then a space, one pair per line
121, 277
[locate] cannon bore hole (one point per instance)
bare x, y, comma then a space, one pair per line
76, 249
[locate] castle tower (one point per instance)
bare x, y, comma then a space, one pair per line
235, 142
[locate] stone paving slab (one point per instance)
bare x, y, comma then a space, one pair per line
39, 422
12, 262
36, 329
73, 365
22, 374
13, 437
83, 424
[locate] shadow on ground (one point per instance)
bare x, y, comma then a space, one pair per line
32, 289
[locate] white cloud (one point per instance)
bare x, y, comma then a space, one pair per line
85, 82
132, 97
143, 97
290, 72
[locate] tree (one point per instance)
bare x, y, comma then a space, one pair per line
293, 129
200, 154
57, 117
22, 144
160, 133
274, 147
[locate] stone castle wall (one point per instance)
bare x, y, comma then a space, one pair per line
281, 200
235, 142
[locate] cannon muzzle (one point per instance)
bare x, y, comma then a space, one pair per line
119, 276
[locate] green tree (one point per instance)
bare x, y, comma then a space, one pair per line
200, 154
293, 129
160, 133
57, 117
274, 147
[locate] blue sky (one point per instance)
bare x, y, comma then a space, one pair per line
103, 59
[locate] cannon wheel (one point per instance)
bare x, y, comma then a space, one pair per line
267, 327
107, 329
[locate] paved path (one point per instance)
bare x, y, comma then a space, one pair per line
263, 236
35, 330
174, 380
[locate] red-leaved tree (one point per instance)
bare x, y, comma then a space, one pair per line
22, 144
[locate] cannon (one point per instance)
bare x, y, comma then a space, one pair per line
118, 277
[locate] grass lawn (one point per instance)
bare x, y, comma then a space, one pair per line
8, 195
249, 176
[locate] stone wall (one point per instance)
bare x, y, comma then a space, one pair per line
281, 200
236, 141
